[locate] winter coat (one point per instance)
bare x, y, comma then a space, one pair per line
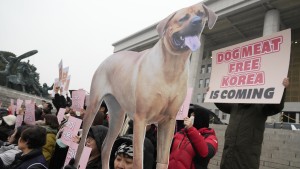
32, 160
245, 132
149, 160
7, 154
190, 144
49, 147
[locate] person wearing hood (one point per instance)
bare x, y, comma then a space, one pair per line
195, 144
94, 140
51, 126
7, 126
121, 156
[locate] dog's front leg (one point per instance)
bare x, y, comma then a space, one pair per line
164, 138
138, 141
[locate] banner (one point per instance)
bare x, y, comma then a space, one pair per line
184, 109
66, 85
70, 130
251, 72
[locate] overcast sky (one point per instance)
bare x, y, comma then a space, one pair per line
81, 33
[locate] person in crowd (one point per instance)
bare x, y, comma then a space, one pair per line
59, 101
94, 140
195, 144
122, 153
51, 126
9, 150
7, 126
47, 108
245, 132
30, 143
38, 113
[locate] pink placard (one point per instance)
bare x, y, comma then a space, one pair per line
66, 85
78, 99
30, 114
28, 101
70, 130
71, 152
184, 109
60, 69
84, 157
19, 120
61, 114
19, 104
64, 75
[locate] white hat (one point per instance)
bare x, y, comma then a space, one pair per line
9, 119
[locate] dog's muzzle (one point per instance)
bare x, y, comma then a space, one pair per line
187, 38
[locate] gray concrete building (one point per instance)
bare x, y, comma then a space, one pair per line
239, 21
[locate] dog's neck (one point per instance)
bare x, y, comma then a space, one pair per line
174, 63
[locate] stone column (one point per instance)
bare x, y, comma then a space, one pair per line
195, 63
271, 25
272, 22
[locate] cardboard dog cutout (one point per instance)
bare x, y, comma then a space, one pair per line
150, 86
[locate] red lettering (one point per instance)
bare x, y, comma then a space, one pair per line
220, 57
246, 51
233, 80
256, 48
266, 48
227, 55
231, 67
225, 81
255, 64
242, 80
236, 53
239, 66
260, 78
276, 43
250, 78
247, 65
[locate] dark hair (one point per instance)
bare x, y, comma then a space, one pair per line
51, 120
201, 116
48, 109
20, 129
35, 137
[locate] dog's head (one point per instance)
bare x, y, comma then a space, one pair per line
183, 28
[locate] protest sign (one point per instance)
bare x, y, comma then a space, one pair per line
184, 109
61, 114
29, 117
84, 156
64, 75
70, 130
78, 97
60, 70
246, 73
19, 104
19, 120
66, 85
71, 152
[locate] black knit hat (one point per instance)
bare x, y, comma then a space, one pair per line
201, 116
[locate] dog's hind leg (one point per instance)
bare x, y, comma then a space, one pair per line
164, 138
116, 120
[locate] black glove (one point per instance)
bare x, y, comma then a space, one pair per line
70, 165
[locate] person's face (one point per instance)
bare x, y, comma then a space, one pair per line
123, 162
11, 138
22, 144
90, 142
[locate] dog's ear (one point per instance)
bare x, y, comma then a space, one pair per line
212, 17
161, 26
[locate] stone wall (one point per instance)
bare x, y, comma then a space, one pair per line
6, 94
281, 149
